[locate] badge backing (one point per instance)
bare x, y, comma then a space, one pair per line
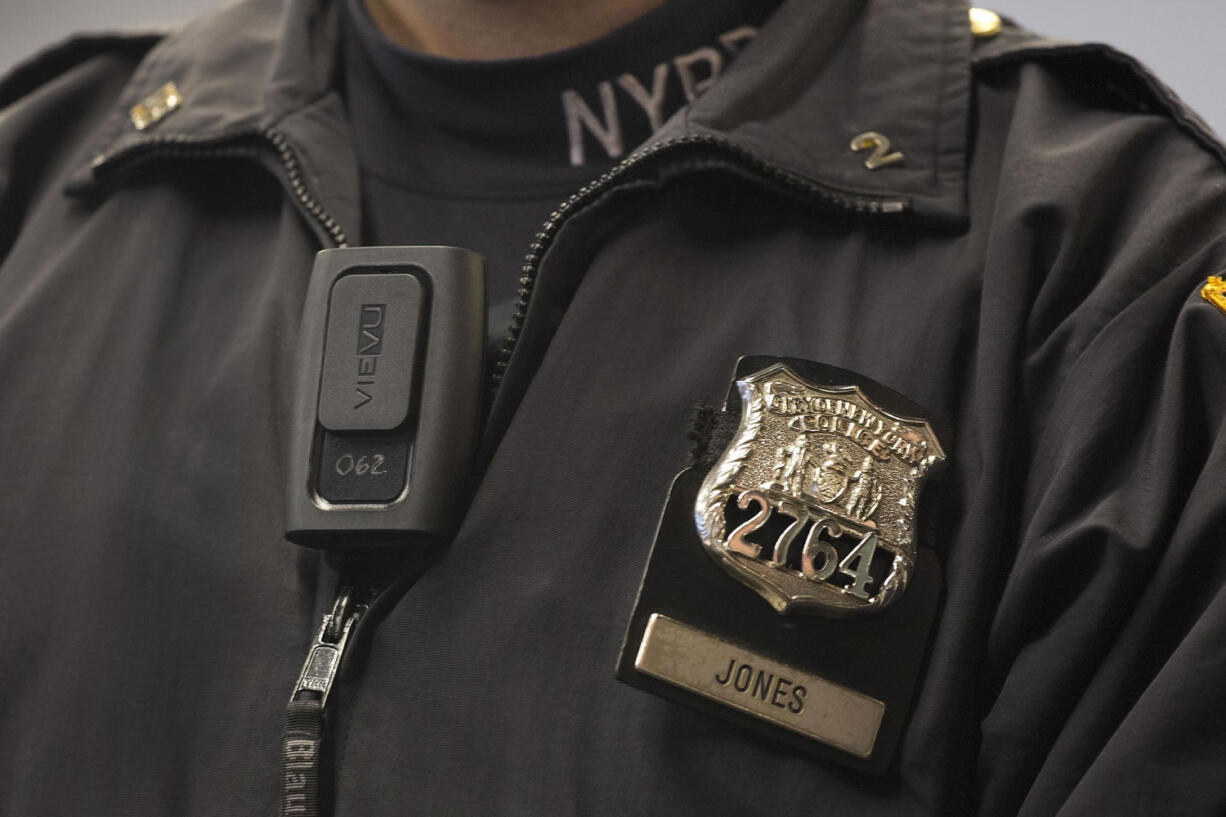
692, 619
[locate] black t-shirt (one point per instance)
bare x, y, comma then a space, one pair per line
477, 153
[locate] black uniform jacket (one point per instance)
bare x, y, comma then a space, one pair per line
1032, 273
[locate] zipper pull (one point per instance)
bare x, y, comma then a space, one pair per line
324, 659
302, 745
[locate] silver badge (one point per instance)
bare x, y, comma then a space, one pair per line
832, 479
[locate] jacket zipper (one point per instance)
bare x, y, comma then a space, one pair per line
309, 204
304, 727
303, 739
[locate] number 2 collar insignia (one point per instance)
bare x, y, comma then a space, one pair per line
831, 478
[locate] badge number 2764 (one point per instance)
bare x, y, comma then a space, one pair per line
819, 559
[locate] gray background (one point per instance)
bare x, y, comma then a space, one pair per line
1179, 39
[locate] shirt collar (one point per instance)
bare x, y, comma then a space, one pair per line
819, 74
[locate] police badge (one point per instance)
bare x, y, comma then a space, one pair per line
811, 505
839, 469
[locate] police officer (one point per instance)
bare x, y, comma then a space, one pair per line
1022, 237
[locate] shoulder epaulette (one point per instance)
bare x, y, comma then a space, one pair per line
1110, 70
64, 55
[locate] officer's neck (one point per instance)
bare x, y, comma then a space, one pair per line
500, 29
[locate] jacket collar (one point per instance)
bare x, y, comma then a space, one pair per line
819, 73
242, 71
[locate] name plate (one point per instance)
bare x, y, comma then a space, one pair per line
732, 675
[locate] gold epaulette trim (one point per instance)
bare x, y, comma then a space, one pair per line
1214, 291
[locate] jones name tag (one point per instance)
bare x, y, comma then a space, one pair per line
791, 698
